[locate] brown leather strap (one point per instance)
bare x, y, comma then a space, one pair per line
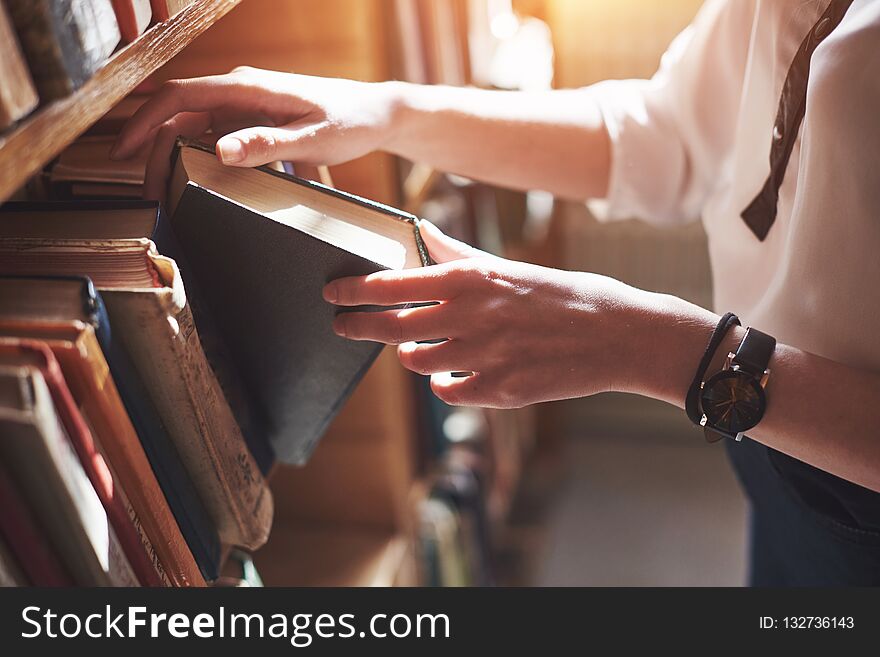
761, 212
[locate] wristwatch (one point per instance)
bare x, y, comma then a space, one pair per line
733, 401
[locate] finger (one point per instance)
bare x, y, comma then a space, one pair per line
254, 146
389, 288
175, 96
159, 162
473, 390
444, 248
397, 326
449, 356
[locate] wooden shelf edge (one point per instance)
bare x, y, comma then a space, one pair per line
38, 139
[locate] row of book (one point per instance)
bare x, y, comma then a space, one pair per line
50, 48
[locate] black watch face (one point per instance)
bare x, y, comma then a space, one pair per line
733, 401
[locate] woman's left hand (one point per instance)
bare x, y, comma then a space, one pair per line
527, 333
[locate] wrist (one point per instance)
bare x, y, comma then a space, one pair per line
669, 336
397, 97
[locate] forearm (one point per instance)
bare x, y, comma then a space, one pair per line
554, 141
818, 411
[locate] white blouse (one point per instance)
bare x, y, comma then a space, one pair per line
694, 142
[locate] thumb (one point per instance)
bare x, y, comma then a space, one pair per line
444, 248
252, 147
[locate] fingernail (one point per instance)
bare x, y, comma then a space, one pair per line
330, 292
339, 325
231, 150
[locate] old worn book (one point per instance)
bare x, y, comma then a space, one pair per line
26, 540
81, 220
18, 97
260, 245
66, 300
147, 305
41, 458
64, 41
87, 374
84, 169
15, 352
133, 17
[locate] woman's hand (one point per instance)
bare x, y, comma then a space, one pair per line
260, 116
528, 333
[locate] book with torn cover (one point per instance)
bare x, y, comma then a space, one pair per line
259, 245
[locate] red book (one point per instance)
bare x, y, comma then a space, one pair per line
133, 17
26, 539
93, 463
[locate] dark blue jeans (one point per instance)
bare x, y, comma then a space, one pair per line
808, 528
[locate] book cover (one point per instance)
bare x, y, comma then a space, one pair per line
260, 245
64, 41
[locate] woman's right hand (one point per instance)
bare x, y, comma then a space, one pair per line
259, 116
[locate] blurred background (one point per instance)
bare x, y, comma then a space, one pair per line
611, 490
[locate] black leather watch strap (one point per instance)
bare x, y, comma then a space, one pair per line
754, 352
692, 399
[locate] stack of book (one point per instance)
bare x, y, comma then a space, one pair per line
153, 367
50, 48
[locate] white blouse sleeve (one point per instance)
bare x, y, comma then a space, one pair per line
670, 135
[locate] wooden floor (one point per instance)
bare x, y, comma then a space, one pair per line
626, 506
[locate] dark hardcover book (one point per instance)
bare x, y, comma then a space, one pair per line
77, 298
261, 245
64, 41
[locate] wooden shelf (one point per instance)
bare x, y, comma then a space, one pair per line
27, 148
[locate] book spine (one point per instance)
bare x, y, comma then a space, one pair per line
26, 540
145, 541
53, 75
186, 506
102, 406
232, 455
18, 97
159, 335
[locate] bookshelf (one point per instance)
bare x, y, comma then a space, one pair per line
352, 516
25, 149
